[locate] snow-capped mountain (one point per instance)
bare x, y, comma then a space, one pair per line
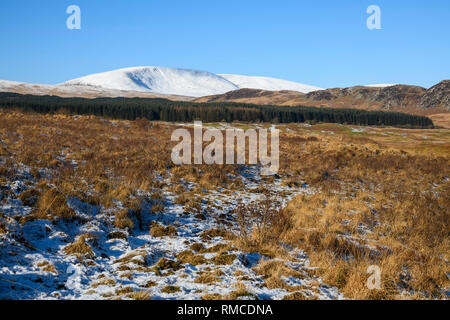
270, 84
155, 81
182, 82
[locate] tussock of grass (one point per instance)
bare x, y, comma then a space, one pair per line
212, 297
224, 259
123, 220
206, 278
52, 205
127, 275
240, 292
165, 264
198, 247
158, 207
80, 248
139, 295
29, 197
150, 284
272, 272
158, 230
220, 247
47, 267
117, 235
189, 257
104, 282
183, 198
136, 257
123, 291
214, 233
295, 296
170, 289
3, 228
200, 216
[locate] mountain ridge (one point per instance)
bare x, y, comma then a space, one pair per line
392, 97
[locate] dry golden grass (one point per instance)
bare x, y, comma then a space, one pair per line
166, 264
123, 220
3, 228
224, 259
206, 278
104, 282
213, 233
122, 291
139, 295
47, 267
381, 195
441, 119
29, 197
295, 296
375, 205
241, 291
170, 289
159, 230
191, 258
52, 204
80, 248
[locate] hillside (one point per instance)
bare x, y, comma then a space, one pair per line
167, 110
398, 98
79, 91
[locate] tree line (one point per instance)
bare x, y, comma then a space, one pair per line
155, 109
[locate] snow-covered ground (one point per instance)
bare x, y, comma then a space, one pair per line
28, 251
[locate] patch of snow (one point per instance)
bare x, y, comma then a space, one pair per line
24, 248
266, 83
381, 85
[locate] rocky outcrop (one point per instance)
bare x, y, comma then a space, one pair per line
437, 96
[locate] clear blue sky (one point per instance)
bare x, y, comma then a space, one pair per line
323, 42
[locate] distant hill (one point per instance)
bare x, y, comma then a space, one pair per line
79, 91
399, 98
179, 111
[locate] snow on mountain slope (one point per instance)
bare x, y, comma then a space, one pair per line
142, 81
159, 80
80, 91
265, 83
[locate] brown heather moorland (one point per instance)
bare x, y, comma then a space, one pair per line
379, 196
